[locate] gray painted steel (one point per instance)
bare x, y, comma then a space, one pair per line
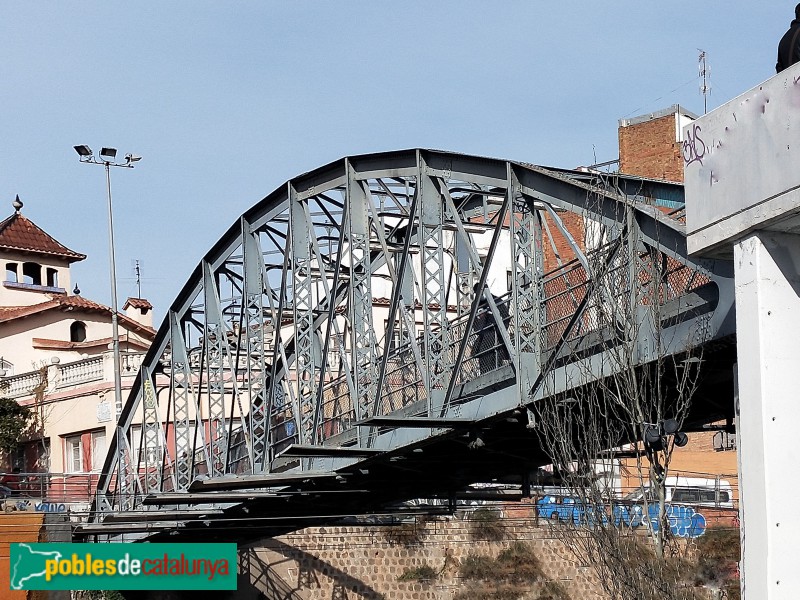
357, 297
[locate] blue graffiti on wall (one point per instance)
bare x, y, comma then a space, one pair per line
51, 507
683, 520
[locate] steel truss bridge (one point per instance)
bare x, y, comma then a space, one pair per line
382, 328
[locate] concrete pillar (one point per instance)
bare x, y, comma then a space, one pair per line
767, 269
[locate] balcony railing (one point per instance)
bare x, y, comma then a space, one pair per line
59, 377
131, 363
81, 371
20, 385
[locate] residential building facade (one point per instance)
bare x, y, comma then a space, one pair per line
56, 356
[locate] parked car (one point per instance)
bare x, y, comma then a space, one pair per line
690, 491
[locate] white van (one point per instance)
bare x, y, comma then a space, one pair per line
693, 491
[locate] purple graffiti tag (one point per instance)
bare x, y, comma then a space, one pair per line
694, 148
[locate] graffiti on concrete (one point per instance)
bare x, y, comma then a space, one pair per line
51, 507
694, 148
684, 521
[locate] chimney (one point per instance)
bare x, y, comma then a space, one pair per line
140, 310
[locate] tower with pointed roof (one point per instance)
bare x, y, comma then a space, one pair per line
55, 351
35, 265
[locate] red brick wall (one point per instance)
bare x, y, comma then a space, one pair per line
697, 459
574, 224
649, 150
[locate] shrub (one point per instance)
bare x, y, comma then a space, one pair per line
519, 563
508, 577
424, 572
477, 566
552, 590
718, 554
487, 524
405, 534
488, 591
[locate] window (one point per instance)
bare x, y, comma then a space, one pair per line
334, 356
11, 272
52, 277
6, 368
31, 273
77, 332
73, 455
98, 450
85, 451
154, 454
393, 343
687, 495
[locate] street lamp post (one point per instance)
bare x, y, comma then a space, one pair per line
108, 159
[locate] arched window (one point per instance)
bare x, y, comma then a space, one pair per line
32, 273
11, 272
77, 332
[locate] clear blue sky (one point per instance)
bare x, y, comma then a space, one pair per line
227, 100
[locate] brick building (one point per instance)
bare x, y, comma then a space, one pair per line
650, 145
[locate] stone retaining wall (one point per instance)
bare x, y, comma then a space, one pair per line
364, 562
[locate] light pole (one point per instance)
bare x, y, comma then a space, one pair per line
108, 159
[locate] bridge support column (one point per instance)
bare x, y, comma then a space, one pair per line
768, 340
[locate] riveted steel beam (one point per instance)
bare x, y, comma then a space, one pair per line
362, 329
434, 288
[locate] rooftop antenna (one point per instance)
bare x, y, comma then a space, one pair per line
705, 73
138, 271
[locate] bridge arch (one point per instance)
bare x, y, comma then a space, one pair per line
421, 286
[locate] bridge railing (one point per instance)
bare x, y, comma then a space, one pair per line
660, 279
404, 384
49, 487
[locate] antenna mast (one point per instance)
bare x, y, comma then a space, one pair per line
138, 271
705, 73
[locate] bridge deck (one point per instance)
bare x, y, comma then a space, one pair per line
383, 328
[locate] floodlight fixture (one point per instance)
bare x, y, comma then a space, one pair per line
681, 439
107, 159
670, 426
652, 439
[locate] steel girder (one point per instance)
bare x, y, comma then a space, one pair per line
397, 284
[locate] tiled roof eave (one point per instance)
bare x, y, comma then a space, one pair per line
70, 256
88, 306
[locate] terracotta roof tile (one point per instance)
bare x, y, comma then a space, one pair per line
10, 313
17, 232
141, 303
